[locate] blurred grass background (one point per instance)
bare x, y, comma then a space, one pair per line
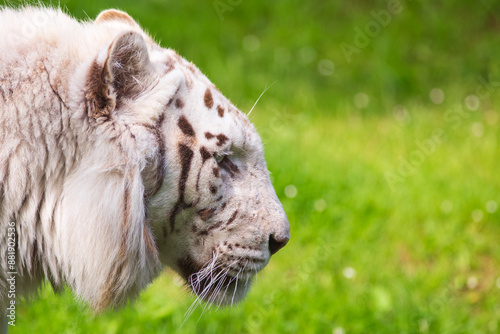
386, 161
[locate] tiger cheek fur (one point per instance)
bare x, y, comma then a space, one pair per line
127, 159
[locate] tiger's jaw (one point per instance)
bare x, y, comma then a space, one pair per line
218, 253
217, 282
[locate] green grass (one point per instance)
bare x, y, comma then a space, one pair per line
415, 253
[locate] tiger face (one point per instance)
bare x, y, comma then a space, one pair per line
217, 218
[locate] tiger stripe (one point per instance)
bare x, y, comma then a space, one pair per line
186, 156
208, 99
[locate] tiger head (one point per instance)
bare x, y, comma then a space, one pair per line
212, 210
217, 215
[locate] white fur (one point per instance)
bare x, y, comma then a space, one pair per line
76, 172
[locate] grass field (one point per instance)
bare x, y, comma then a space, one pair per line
386, 163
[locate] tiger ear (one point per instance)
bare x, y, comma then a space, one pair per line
126, 71
111, 15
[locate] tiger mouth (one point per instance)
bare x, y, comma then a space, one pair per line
217, 282
219, 287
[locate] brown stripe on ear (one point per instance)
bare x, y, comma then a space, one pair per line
185, 126
209, 101
98, 101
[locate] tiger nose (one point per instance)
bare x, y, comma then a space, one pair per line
276, 243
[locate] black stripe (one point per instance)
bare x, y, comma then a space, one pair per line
186, 156
185, 126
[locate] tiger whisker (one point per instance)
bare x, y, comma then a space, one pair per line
229, 284
235, 287
219, 277
216, 290
265, 90
195, 283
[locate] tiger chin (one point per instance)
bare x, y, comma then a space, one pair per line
119, 158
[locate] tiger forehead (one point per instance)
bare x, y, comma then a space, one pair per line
211, 98
173, 60
200, 95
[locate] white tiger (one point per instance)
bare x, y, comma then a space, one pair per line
119, 157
